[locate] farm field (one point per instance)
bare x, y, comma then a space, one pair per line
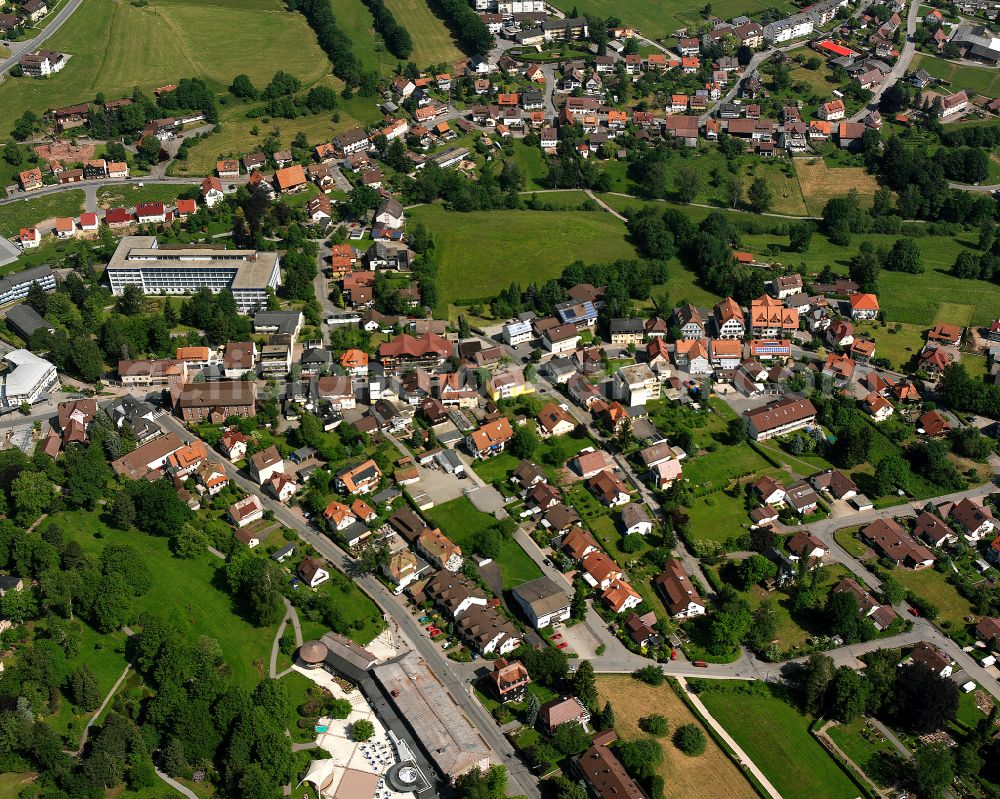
14, 216
710, 774
460, 521
432, 41
820, 183
979, 79
480, 253
116, 45
782, 748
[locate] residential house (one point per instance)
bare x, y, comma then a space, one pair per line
543, 602
890, 540
568, 710
312, 571
265, 463
490, 439
509, 680
361, 479
882, 616
679, 595
609, 489
635, 519
246, 511
779, 417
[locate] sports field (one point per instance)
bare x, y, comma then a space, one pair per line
116, 46
981, 80
819, 183
776, 738
709, 774
482, 252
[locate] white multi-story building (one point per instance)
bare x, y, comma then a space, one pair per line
517, 333
14, 288
140, 261
28, 379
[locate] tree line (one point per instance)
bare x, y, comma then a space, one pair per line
396, 37
471, 32
336, 44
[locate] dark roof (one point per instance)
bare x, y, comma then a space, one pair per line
26, 320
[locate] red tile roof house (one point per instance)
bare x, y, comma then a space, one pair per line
599, 571
246, 511
589, 464
972, 520
568, 710
868, 607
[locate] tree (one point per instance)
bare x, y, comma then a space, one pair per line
690, 739
764, 627
531, 708
933, 770
755, 569
842, 616
729, 625
362, 730
849, 694
570, 739
524, 442
924, 701
188, 542
651, 675
641, 756
760, 196
478, 784
891, 472
904, 256
33, 495
800, 236
893, 592
687, 183
585, 685
654, 724
605, 720
818, 676
86, 475
84, 689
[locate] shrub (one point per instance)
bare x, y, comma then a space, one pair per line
654, 724
651, 675
690, 739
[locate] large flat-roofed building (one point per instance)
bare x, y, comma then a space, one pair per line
14, 288
438, 724
141, 261
28, 379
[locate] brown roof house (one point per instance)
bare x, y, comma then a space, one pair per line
509, 680
679, 594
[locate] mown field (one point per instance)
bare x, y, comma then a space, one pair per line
820, 183
29, 212
130, 194
116, 45
482, 252
980, 79
775, 735
432, 42
711, 774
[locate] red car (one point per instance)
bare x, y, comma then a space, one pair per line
913, 611
430, 628
700, 664
557, 636
563, 645
673, 654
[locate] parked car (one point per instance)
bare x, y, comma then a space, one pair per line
913, 611
563, 645
700, 664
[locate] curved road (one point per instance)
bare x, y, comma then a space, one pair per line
18, 49
901, 65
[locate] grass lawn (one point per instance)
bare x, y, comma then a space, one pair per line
13, 783
865, 752
899, 347
775, 735
355, 19
30, 212
846, 539
432, 42
131, 194
460, 521
183, 589
969, 714
931, 585
482, 252
711, 774
116, 45
980, 79
496, 469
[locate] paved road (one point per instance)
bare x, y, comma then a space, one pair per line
94, 185
18, 49
392, 606
176, 785
901, 65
